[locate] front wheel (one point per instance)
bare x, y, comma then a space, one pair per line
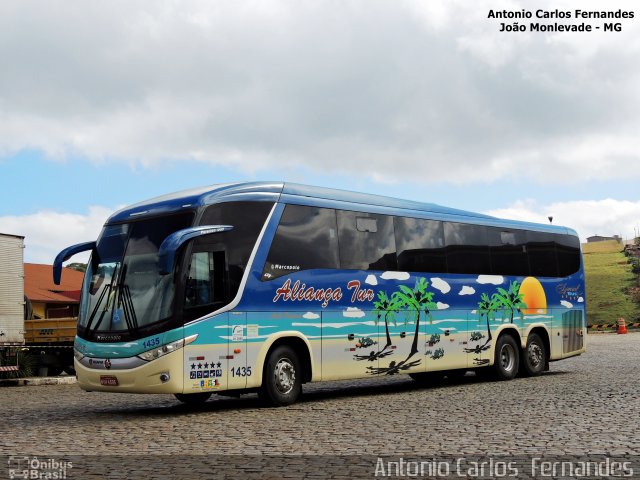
193, 398
507, 358
281, 381
534, 356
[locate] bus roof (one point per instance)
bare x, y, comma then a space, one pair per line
313, 196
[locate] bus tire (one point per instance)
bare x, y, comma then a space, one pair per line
282, 378
534, 356
507, 358
193, 398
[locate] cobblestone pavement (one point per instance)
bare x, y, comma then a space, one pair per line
584, 405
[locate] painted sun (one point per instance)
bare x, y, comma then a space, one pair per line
533, 295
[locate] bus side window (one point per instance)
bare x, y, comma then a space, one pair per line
366, 241
420, 245
568, 252
306, 239
508, 252
205, 280
467, 248
541, 248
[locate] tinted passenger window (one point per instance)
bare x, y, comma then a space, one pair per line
306, 239
467, 248
508, 252
542, 254
568, 253
420, 245
366, 241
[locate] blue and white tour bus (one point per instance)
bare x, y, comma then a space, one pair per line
264, 286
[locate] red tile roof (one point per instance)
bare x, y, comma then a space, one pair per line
39, 286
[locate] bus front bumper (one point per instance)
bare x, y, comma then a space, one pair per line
163, 375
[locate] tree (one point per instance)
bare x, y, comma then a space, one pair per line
81, 267
487, 308
511, 300
419, 300
386, 307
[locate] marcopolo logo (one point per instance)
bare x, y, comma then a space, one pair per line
37, 468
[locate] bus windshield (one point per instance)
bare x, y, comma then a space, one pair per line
123, 289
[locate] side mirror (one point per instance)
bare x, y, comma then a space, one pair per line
171, 244
66, 254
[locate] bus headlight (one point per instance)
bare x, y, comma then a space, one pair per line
166, 349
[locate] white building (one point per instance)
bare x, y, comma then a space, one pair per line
11, 290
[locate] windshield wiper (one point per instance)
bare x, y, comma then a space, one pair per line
128, 308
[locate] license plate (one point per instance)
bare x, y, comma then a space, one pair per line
109, 380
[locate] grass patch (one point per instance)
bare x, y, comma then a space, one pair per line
608, 280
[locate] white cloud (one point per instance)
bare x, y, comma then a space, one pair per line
47, 233
490, 279
353, 312
371, 280
440, 284
580, 299
442, 306
395, 276
606, 217
465, 290
566, 304
323, 85
311, 316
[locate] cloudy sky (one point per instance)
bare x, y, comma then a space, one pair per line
105, 104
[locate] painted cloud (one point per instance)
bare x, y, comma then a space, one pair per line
442, 306
581, 300
395, 276
491, 279
564, 303
353, 312
440, 284
371, 280
311, 316
467, 290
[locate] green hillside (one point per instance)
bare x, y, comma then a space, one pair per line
608, 278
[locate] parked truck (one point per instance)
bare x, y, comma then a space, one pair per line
47, 343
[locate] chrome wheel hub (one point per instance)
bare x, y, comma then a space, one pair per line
535, 354
285, 375
507, 357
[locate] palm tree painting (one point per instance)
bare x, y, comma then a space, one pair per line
505, 300
487, 308
511, 300
386, 307
417, 300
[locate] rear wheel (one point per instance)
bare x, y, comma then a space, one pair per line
193, 398
507, 358
281, 381
534, 356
